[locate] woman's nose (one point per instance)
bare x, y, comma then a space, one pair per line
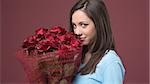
78, 32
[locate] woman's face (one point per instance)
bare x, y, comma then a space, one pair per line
83, 26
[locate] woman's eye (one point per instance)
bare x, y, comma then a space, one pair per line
83, 25
74, 26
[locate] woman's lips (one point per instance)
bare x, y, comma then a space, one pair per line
83, 39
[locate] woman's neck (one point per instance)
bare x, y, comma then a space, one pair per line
87, 57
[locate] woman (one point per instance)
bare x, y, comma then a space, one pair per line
100, 64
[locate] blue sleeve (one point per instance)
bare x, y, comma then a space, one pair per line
113, 74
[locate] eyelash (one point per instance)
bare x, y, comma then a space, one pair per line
83, 25
74, 26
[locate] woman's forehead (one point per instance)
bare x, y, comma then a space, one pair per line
79, 16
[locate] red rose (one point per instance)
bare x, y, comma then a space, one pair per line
64, 47
41, 31
69, 36
58, 30
75, 43
29, 42
43, 45
49, 40
54, 42
50, 37
62, 38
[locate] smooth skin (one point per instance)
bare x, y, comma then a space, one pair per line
83, 26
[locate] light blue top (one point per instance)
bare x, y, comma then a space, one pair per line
109, 70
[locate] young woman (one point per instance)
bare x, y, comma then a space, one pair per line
89, 19
100, 63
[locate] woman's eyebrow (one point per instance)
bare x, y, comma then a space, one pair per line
83, 22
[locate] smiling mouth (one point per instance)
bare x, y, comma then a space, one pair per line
82, 39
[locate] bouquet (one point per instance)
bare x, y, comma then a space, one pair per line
51, 56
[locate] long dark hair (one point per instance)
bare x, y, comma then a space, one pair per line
97, 12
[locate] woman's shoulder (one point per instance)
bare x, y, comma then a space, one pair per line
110, 57
110, 61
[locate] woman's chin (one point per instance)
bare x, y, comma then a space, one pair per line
85, 43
